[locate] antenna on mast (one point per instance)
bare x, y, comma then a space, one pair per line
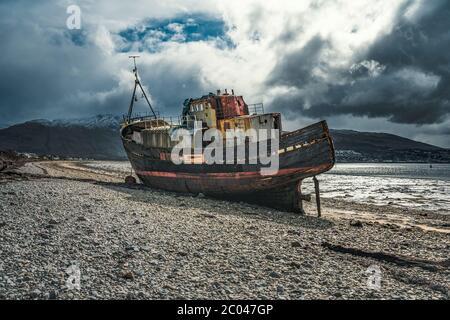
134, 59
137, 83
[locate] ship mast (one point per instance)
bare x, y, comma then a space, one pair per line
137, 83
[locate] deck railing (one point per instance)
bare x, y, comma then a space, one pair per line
256, 108
161, 121
173, 121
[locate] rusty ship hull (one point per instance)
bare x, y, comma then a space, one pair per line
300, 154
303, 154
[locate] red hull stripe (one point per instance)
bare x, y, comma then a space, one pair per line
225, 175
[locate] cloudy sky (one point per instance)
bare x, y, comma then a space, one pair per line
372, 65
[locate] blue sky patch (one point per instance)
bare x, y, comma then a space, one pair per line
78, 37
151, 34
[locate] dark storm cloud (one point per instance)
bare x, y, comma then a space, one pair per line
44, 66
296, 69
404, 76
51, 72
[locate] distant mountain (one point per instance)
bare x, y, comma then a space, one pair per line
98, 138
95, 138
354, 146
99, 121
373, 141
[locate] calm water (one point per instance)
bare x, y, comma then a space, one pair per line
403, 185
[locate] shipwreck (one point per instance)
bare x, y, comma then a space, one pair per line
149, 144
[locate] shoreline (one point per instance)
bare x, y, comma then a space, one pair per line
141, 243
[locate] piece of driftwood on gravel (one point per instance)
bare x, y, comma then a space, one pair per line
392, 258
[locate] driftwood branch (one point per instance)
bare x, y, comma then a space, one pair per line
392, 258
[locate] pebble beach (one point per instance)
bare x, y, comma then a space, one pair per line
64, 220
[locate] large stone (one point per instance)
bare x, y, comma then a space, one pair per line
296, 244
274, 274
356, 223
127, 274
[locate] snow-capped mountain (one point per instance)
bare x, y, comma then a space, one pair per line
95, 137
98, 121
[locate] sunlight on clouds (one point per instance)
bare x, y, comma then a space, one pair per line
102, 39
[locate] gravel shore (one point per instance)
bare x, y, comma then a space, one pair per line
58, 219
